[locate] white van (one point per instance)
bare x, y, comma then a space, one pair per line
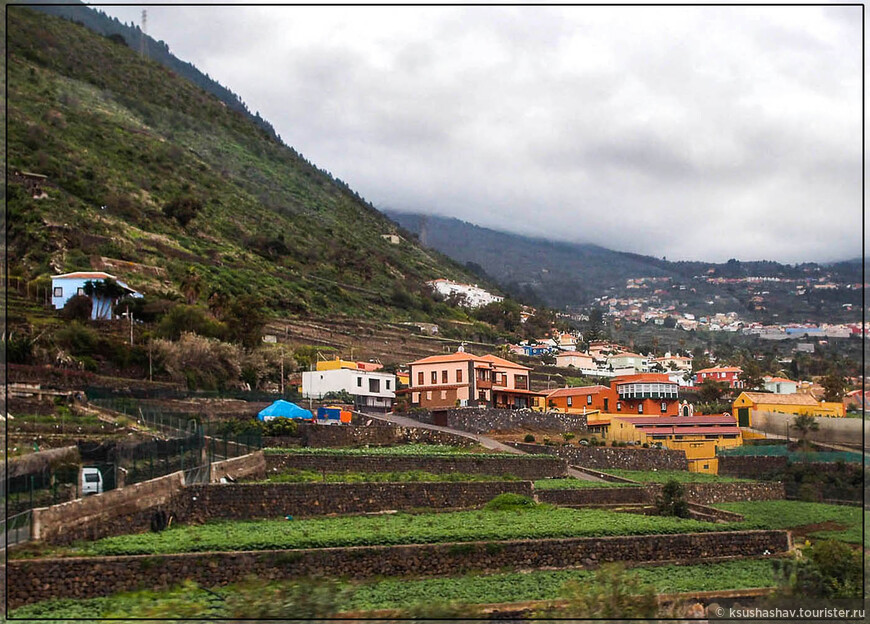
92, 481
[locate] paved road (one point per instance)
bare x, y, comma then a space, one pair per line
485, 441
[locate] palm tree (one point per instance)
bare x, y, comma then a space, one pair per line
104, 294
804, 424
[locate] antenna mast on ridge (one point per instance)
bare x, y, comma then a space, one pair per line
143, 44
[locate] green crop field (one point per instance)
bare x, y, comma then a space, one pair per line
402, 450
837, 522
403, 528
393, 593
410, 476
574, 484
663, 476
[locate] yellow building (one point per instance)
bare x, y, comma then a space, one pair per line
697, 436
749, 402
338, 363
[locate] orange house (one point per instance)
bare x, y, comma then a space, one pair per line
463, 379
647, 394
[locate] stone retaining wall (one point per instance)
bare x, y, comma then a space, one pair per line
515, 465
610, 457
240, 501
485, 420
589, 497
321, 436
751, 467
698, 493
33, 580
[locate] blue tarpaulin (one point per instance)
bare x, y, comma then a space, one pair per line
284, 409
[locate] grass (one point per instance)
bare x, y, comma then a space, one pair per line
575, 484
663, 476
393, 593
402, 450
403, 528
784, 514
411, 476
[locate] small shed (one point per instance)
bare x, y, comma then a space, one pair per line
284, 409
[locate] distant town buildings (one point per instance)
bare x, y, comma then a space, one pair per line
468, 294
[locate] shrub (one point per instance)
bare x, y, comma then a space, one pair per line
202, 363
529, 438
510, 502
612, 593
568, 436
672, 501
187, 318
77, 339
77, 308
183, 209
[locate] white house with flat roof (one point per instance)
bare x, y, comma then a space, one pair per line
369, 389
65, 287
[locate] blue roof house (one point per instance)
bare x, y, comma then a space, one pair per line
65, 287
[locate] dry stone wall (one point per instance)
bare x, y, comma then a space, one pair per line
609, 457
699, 493
320, 436
240, 501
34, 580
485, 420
747, 466
515, 465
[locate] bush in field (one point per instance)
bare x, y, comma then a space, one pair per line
510, 502
529, 438
833, 570
672, 501
306, 599
77, 339
203, 363
611, 593
280, 427
186, 318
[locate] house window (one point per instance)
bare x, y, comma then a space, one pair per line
570, 399
606, 401
664, 407
444, 376
443, 395
58, 291
80, 291
374, 385
588, 399
428, 395
420, 378
434, 377
618, 406
521, 382
359, 382
415, 397
458, 375
640, 408
388, 384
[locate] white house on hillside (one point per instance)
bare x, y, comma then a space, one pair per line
65, 287
373, 390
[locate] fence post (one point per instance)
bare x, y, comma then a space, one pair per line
31, 491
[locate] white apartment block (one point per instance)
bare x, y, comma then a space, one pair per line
369, 389
475, 297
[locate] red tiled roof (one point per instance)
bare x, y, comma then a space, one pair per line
452, 357
695, 431
645, 378
85, 275
679, 421
577, 391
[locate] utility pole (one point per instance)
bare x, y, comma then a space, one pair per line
130, 316
282, 371
150, 375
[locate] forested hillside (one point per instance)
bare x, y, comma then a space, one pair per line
159, 182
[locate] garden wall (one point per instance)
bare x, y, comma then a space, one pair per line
699, 493
33, 580
321, 436
484, 420
609, 457
239, 501
515, 465
751, 467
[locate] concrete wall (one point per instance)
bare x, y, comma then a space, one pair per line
602, 457
751, 467
128, 509
239, 501
515, 465
831, 430
484, 420
100, 576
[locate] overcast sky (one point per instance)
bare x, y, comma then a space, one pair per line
688, 132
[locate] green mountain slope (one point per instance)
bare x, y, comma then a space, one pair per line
132, 152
